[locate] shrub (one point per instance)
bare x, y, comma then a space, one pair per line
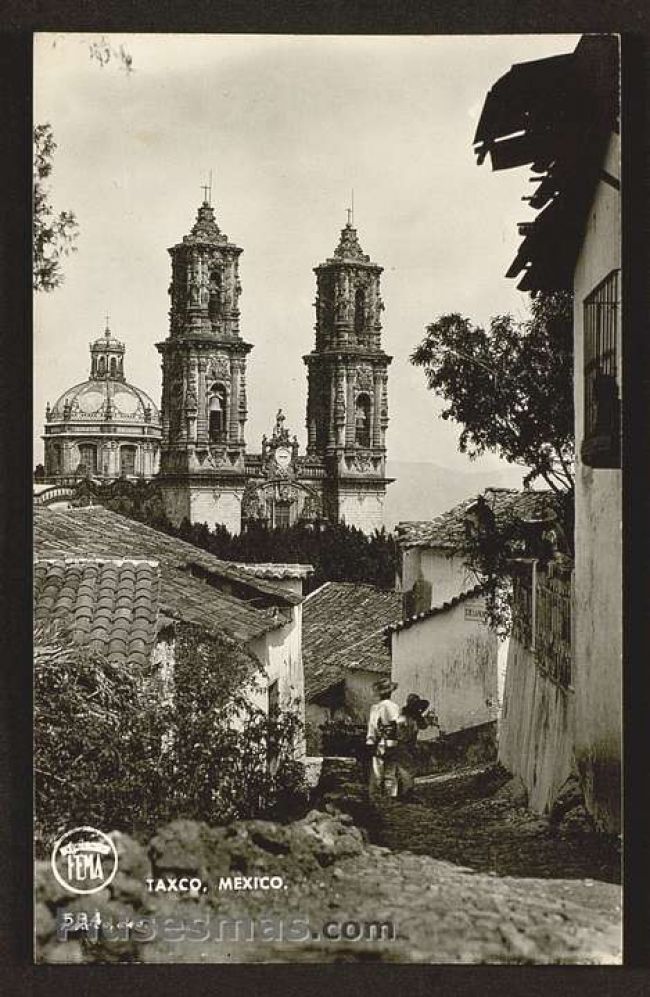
110, 752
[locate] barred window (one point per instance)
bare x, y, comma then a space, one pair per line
601, 442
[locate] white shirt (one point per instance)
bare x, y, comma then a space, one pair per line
384, 713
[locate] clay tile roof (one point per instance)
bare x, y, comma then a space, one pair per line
96, 532
343, 625
447, 531
276, 571
188, 595
444, 607
91, 615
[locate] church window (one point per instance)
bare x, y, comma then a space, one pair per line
217, 414
282, 515
113, 366
601, 443
362, 421
127, 460
102, 366
88, 457
359, 311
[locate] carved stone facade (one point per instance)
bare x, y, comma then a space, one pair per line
283, 488
204, 404
206, 474
347, 403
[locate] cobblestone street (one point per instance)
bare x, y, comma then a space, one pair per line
466, 875
470, 875
472, 817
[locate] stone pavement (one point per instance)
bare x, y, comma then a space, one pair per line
479, 818
517, 889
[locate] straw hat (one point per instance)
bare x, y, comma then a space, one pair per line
384, 686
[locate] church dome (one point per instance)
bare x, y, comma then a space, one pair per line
104, 400
106, 395
104, 426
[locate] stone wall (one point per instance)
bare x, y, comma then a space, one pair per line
176, 502
297, 852
470, 747
537, 728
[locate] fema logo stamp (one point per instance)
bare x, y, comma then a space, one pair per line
84, 860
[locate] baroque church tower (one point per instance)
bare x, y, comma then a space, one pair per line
202, 467
347, 401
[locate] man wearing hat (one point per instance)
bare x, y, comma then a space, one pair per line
382, 737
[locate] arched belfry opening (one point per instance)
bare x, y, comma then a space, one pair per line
359, 311
362, 421
217, 413
214, 300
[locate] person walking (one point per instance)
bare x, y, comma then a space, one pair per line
382, 739
405, 755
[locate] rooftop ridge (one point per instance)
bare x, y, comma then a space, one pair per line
444, 607
99, 559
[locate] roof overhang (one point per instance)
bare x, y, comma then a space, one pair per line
557, 115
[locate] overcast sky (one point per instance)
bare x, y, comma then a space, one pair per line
288, 124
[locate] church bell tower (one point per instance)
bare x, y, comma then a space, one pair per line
347, 400
202, 473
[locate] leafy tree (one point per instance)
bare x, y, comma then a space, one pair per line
509, 386
113, 749
54, 234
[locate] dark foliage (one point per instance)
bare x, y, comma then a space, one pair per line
54, 233
114, 749
509, 386
336, 552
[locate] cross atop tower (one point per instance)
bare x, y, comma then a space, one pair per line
207, 191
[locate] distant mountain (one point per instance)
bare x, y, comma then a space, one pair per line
424, 490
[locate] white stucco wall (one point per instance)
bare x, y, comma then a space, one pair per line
211, 505
365, 510
280, 652
598, 542
359, 694
451, 660
215, 506
536, 729
448, 575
